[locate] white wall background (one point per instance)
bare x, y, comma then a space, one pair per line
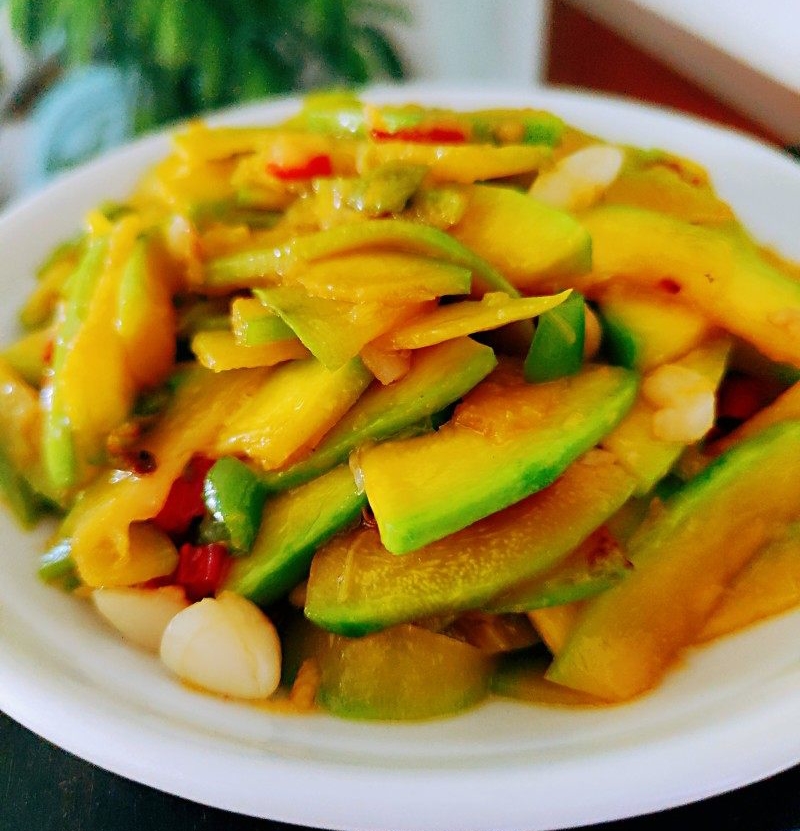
474, 40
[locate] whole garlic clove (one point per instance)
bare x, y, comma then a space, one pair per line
688, 422
226, 645
579, 180
140, 615
684, 402
669, 384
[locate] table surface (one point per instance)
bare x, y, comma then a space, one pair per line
42, 788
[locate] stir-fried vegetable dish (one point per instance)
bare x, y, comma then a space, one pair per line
386, 409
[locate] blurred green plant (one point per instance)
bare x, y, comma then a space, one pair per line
188, 56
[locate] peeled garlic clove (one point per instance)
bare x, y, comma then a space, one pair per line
226, 645
577, 181
140, 615
686, 422
669, 384
684, 400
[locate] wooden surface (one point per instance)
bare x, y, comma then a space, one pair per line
583, 53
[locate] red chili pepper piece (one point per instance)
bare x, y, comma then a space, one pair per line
201, 569
422, 135
670, 286
741, 396
184, 502
315, 166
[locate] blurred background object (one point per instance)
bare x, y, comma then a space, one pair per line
187, 56
733, 61
121, 68
463, 41
79, 76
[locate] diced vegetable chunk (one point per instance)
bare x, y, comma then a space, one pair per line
235, 498
557, 346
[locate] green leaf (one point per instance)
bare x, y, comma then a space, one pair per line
84, 25
26, 20
192, 55
173, 47
380, 54
259, 74
212, 61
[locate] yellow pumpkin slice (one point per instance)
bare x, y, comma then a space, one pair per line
462, 163
769, 584
493, 310
292, 411
389, 277
683, 556
218, 350
99, 524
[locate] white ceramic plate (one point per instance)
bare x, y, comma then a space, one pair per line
728, 716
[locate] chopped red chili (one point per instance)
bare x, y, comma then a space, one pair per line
670, 286
201, 569
741, 396
422, 135
315, 166
184, 502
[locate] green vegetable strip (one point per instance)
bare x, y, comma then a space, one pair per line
254, 324
19, 495
557, 347
58, 447
235, 498
261, 267
57, 562
295, 524
440, 375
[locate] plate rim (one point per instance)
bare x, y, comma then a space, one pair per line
24, 698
